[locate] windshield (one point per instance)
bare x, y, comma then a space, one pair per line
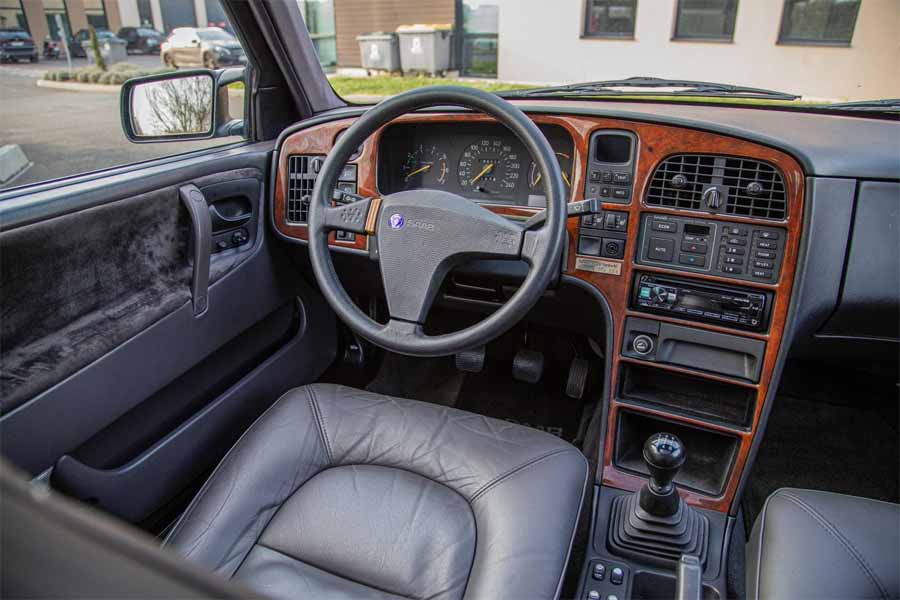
14, 35
215, 35
779, 52
149, 32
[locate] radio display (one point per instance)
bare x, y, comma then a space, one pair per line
694, 229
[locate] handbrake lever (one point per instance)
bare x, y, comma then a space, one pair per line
688, 582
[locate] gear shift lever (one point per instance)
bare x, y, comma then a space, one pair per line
664, 455
655, 524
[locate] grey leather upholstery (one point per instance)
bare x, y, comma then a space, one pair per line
811, 544
340, 493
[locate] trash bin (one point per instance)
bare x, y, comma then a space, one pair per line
425, 48
379, 51
112, 50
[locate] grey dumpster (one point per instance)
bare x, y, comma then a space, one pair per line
379, 51
112, 50
424, 48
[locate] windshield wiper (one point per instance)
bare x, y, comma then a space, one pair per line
614, 87
891, 105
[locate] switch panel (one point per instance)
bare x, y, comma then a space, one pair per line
735, 250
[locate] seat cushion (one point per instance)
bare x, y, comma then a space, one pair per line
812, 544
343, 493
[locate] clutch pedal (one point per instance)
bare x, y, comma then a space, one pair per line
528, 365
471, 361
578, 377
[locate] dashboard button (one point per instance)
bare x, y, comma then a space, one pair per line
766, 244
622, 178
589, 245
736, 241
661, 249
734, 260
613, 248
694, 247
607, 177
760, 274
765, 254
732, 269
768, 235
669, 226
763, 264
735, 250
621, 193
604, 191
595, 175
693, 260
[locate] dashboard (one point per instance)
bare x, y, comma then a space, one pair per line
696, 249
484, 162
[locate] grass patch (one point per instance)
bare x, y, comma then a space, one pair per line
387, 85
117, 74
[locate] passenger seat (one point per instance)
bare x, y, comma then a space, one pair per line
812, 544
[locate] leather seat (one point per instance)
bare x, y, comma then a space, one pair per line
340, 493
811, 544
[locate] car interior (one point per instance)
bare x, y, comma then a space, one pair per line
456, 345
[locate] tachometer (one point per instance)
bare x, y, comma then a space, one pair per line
425, 166
565, 164
489, 166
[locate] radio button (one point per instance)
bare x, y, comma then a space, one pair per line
661, 249
760, 274
734, 260
768, 235
732, 269
763, 264
730, 317
738, 242
766, 244
765, 254
712, 315
735, 250
692, 260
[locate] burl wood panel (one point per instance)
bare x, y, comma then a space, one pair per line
655, 142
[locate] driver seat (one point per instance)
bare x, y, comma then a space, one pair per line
340, 493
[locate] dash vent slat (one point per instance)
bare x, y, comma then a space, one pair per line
748, 187
301, 181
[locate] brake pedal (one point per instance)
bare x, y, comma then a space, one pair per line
576, 382
528, 365
471, 361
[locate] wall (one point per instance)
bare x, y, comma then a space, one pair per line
37, 23
540, 42
355, 17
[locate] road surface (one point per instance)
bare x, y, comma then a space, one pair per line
65, 132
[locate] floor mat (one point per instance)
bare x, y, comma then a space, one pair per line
542, 405
829, 432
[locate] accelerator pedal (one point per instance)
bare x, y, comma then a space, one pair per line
528, 365
471, 361
578, 377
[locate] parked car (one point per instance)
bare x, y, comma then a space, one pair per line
17, 44
210, 47
143, 40
83, 35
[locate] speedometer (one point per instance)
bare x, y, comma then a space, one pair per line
489, 166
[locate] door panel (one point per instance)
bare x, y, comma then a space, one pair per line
102, 347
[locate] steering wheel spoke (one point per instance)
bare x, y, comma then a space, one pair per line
359, 216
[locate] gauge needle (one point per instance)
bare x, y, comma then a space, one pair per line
421, 169
565, 178
484, 171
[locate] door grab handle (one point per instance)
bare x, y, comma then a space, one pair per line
201, 245
222, 223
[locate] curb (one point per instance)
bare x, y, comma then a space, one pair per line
13, 163
73, 86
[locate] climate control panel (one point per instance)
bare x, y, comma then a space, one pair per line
735, 250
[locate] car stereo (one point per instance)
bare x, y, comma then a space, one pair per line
694, 301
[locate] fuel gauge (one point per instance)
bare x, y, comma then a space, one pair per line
565, 165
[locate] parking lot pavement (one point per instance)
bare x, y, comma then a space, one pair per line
36, 70
66, 132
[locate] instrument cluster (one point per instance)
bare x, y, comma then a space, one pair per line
481, 161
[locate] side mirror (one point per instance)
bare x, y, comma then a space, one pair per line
185, 105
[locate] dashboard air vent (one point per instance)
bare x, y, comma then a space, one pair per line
302, 172
719, 184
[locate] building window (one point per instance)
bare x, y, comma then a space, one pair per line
96, 14
610, 18
12, 15
480, 29
145, 13
319, 18
825, 22
705, 20
52, 8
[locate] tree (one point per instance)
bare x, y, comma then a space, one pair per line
181, 106
95, 49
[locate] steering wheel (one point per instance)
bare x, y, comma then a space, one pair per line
419, 235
